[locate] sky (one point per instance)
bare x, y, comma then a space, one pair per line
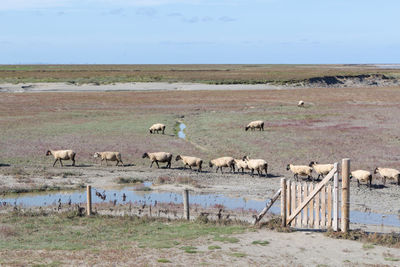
199, 31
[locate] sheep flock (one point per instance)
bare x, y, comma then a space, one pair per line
242, 164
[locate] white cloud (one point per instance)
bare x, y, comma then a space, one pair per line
43, 4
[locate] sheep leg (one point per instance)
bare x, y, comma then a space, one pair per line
252, 172
106, 162
221, 170
122, 163
384, 180
61, 163
55, 162
158, 166
370, 183
259, 172
358, 183
169, 164
117, 163
151, 164
296, 177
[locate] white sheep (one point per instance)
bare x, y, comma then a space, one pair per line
387, 173
223, 162
190, 161
362, 176
301, 103
157, 127
255, 125
321, 169
159, 157
301, 170
256, 164
62, 155
241, 164
109, 156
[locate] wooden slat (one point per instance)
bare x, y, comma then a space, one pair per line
298, 221
283, 201
316, 211
329, 190
311, 208
293, 202
268, 206
323, 207
289, 199
305, 211
316, 190
335, 222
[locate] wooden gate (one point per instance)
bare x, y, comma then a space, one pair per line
308, 205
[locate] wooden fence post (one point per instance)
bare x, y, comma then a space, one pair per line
186, 204
89, 200
283, 201
335, 224
345, 195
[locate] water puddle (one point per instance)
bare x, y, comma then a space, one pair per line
181, 133
136, 194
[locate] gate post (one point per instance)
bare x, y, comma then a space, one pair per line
345, 195
283, 201
89, 200
186, 207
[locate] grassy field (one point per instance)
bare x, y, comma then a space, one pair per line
360, 123
213, 74
101, 236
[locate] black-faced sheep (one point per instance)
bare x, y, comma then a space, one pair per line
223, 162
109, 156
190, 161
362, 176
256, 164
387, 173
159, 157
321, 169
62, 155
301, 170
157, 127
255, 125
241, 164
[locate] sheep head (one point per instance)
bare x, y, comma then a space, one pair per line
145, 155
96, 155
288, 167
48, 153
210, 164
178, 158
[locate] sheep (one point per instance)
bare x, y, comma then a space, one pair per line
157, 127
301, 103
255, 124
256, 164
387, 173
109, 156
159, 157
321, 169
223, 162
241, 164
301, 170
190, 161
62, 155
362, 176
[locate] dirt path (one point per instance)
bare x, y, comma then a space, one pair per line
281, 249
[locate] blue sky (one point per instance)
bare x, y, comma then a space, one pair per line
199, 31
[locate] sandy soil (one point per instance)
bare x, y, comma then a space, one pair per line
154, 86
284, 249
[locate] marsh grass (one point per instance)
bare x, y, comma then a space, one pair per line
66, 231
383, 239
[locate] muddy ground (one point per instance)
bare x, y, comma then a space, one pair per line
359, 123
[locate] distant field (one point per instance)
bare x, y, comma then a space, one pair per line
213, 74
